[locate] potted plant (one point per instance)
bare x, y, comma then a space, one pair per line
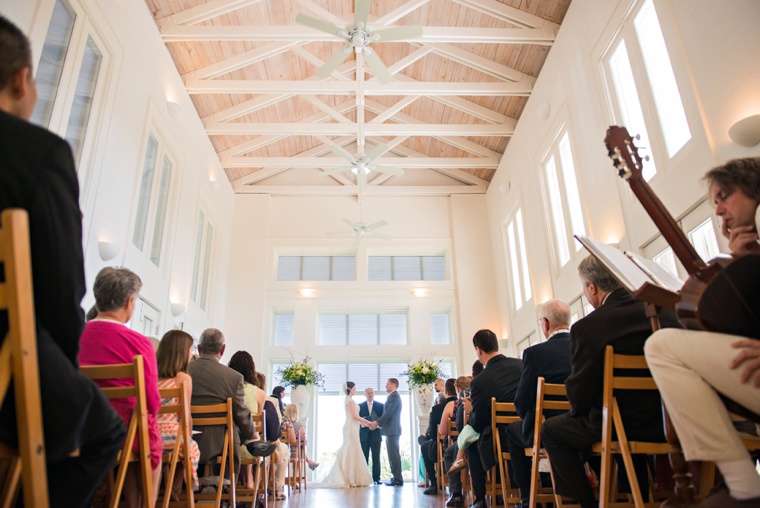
422, 375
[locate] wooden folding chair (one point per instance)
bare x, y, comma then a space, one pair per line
138, 425
209, 416
18, 361
295, 476
171, 454
544, 390
612, 422
442, 479
502, 414
260, 468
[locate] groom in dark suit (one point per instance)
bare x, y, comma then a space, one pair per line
390, 422
371, 439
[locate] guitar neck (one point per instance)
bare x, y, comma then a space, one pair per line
673, 234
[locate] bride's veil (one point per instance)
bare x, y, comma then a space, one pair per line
343, 388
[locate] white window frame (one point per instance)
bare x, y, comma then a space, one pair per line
557, 201
653, 138
364, 312
203, 265
517, 267
282, 312
450, 338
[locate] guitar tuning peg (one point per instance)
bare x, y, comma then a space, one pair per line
646, 158
637, 137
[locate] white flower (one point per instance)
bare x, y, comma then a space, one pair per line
425, 370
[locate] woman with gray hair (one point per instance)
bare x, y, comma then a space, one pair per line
106, 340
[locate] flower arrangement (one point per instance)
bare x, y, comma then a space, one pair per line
423, 372
301, 373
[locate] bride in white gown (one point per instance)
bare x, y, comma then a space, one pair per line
350, 469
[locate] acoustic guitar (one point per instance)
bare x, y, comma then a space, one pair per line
720, 296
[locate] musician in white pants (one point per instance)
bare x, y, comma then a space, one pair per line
690, 367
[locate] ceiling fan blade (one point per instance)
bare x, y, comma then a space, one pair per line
377, 225
341, 233
333, 62
361, 179
382, 237
398, 33
377, 151
361, 11
323, 26
378, 67
340, 151
350, 224
388, 170
335, 170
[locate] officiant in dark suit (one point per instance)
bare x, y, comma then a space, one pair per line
371, 439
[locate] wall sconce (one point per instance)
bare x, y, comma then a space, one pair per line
306, 292
746, 132
107, 250
173, 108
177, 309
214, 185
419, 292
503, 343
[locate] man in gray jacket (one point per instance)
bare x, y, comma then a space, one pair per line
214, 383
390, 422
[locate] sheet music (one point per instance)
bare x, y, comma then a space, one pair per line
629, 274
657, 273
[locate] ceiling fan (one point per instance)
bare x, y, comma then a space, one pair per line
362, 230
361, 165
358, 37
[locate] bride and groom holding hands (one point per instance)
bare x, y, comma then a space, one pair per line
350, 468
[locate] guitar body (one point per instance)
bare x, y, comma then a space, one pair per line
724, 297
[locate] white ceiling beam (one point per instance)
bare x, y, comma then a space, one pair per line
257, 103
343, 129
392, 110
398, 87
459, 142
339, 162
321, 13
325, 108
408, 60
430, 34
203, 12
481, 64
509, 14
398, 13
239, 61
265, 173
262, 141
318, 62
352, 190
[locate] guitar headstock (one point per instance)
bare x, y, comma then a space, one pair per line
623, 152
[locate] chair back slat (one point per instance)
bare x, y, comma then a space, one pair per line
219, 415
18, 360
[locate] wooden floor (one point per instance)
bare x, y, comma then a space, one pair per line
378, 496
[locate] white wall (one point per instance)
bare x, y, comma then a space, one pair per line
713, 47
137, 77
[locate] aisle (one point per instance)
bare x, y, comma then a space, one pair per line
379, 496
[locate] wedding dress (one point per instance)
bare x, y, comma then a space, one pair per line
350, 469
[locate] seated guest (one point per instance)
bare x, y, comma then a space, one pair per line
692, 367
278, 393
551, 360
452, 451
242, 362
274, 421
498, 380
38, 175
440, 395
106, 340
173, 357
429, 446
618, 320
450, 411
214, 383
291, 415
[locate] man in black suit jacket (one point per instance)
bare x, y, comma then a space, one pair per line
498, 380
37, 174
618, 320
550, 360
371, 439
429, 447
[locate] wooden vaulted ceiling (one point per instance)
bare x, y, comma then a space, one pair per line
447, 116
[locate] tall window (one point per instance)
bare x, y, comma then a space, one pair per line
517, 256
153, 199
370, 329
316, 268
440, 328
69, 50
563, 199
407, 268
283, 328
204, 241
645, 89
